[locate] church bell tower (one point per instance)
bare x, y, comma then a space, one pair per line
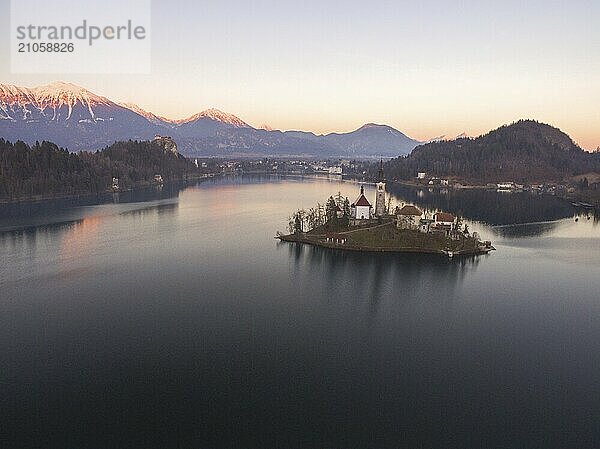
380, 198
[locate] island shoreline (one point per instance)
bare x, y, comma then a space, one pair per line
374, 249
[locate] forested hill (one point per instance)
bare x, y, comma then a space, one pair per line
45, 170
526, 151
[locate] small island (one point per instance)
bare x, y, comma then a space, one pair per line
360, 227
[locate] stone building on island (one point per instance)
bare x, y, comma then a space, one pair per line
409, 217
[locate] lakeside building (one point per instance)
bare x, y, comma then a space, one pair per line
409, 217
438, 182
505, 185
443, 221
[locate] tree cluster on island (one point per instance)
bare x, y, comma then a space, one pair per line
321, 216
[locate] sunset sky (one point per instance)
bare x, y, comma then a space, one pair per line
424, 67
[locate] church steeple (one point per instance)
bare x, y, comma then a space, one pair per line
380, 195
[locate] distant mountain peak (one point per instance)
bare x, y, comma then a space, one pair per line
217, 116
445, 138
61, 86
379, 128
55, 101
157, 119
373, 126
60, 92
437, 139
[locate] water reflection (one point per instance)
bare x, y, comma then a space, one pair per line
374, 278
526, 229
77, 239
487, 206
159, 209
42, 213
26, 237
130, 318
588, 215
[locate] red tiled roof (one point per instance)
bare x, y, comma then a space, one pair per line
362, 201
443, 216
409, 209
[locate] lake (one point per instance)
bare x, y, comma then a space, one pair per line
174, 319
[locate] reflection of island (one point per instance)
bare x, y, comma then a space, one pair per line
404, 277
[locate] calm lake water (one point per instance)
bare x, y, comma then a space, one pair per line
174, 319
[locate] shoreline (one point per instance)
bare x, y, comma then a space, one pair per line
374, 249
569, 197
74, 196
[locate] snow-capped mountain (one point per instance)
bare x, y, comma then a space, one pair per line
156, 119
56, 101
209, 123
68, 115
77, 119
462, 135
445, 138
216, 116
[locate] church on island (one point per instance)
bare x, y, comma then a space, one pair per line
406, 216
361, 210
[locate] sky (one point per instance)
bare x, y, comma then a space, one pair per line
424, 67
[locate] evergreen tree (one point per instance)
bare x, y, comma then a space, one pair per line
346, 207
47, 170
297, 224
330, 209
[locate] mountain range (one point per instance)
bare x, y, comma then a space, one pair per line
77, 119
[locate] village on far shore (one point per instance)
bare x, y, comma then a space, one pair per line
360, 226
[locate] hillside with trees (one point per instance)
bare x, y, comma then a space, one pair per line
526, 151
45, 170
